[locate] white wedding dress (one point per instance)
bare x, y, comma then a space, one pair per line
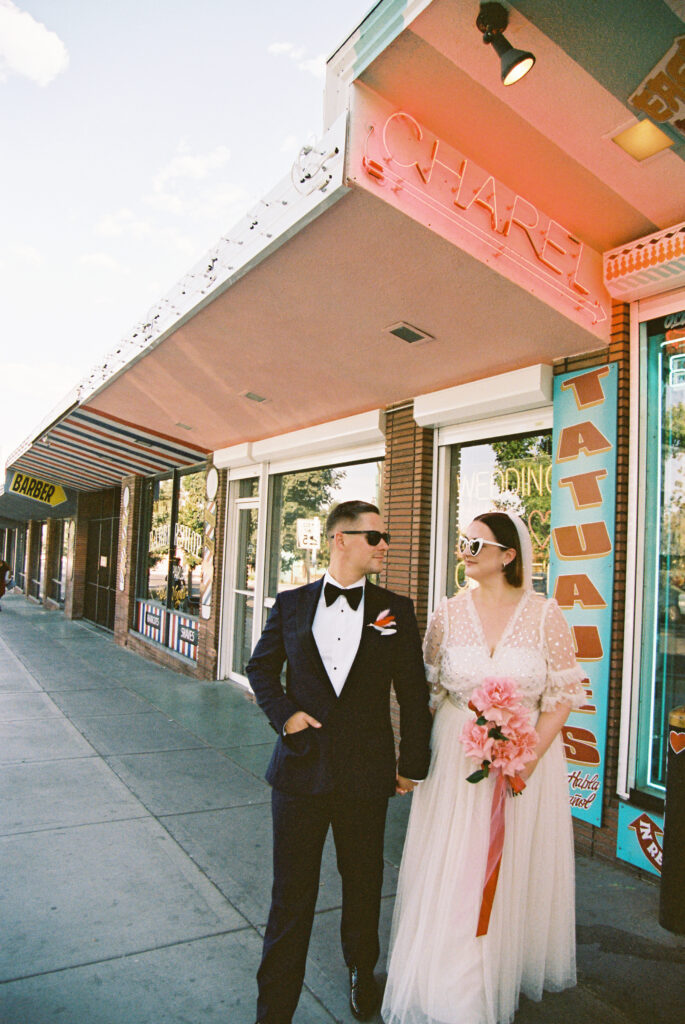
438, 971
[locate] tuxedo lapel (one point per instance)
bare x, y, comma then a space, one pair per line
373, 606
307, 601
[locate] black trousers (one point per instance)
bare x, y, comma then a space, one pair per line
300, 825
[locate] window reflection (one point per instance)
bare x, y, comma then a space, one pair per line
174, 514
307, 497
663, 668
160, 493
512, 474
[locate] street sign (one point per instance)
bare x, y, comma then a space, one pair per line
309, 534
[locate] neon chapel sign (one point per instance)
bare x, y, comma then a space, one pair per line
407, 159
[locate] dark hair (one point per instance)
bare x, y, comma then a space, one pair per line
347, 511
505, 532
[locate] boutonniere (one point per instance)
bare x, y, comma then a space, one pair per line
385, 623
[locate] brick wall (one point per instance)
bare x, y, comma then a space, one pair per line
32, 557
590, 839
407, 489
408, 478
86, 507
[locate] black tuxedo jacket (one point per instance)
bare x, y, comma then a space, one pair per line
354, 749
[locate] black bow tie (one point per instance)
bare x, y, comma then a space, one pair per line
353, 596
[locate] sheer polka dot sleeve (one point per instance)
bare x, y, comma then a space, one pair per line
436, 636
564, 674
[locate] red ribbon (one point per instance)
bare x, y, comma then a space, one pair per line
495, 848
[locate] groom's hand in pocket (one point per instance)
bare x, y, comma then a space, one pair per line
299, 721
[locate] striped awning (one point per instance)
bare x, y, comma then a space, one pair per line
90, 450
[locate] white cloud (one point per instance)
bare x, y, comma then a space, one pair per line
28, 48
123, 222
195, 166
175, 190
103, 261
170, 193
290, 145
312, 65
289, 49
20, 257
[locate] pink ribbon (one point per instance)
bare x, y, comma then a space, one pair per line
495, 848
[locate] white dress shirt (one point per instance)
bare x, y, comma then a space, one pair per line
337, 631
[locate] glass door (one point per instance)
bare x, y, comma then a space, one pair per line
245, 548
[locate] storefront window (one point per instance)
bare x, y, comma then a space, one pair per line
300, 502
663, 662
20, 558
36, 568
512, 474
172, 537
188, 537
154, 577
60, 559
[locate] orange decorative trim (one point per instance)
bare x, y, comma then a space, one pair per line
647, 266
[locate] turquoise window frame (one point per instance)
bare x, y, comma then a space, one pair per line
652, 729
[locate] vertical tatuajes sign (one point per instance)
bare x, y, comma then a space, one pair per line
582, 561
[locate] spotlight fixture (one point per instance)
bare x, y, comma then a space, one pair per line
492, 20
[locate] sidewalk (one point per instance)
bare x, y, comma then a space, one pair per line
135, 856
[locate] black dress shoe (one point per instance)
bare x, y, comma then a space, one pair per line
363, 993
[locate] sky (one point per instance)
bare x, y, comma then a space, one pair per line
132, 135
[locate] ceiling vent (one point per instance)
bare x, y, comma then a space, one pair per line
411, 335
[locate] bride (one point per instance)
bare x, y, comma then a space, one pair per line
439, 972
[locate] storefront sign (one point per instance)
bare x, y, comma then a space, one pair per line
640, 838
153, 618
582, 561
661, 95
395, 156
188, 634
40, 490
183, 635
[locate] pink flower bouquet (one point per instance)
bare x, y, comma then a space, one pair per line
501, 736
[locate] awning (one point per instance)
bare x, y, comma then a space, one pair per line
89, 450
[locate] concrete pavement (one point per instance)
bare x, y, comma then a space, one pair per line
135, 856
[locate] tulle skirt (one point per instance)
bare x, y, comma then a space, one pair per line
438, 971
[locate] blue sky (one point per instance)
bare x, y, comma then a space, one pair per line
133, 134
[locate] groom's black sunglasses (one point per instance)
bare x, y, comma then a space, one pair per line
373, 537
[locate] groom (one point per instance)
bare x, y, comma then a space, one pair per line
344, 641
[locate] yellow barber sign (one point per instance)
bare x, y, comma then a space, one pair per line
39, 490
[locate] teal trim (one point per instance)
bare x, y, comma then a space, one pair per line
651, 563
617, 43
662, 679
381, 26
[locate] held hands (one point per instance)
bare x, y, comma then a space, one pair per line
299, 721
403, 785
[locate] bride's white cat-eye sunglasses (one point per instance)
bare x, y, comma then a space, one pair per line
475, 546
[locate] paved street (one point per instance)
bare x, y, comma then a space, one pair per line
135, 856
